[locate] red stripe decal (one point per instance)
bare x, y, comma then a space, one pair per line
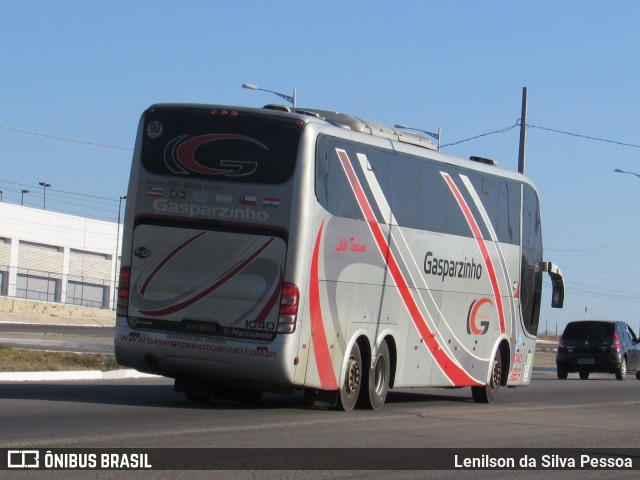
450, 368
320, 345
481, 245
262, 316
190, 301
166, 259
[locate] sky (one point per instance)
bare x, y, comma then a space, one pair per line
77, 75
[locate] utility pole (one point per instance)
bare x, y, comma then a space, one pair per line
523, 131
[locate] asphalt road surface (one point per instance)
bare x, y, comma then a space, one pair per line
573, 414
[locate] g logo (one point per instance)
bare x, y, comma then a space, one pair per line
180, 156
474, 314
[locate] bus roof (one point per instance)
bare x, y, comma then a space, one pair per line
359, 125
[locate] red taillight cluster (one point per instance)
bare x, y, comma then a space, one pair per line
615, 343
288, 308
123, 291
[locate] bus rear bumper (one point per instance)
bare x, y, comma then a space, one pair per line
206, 359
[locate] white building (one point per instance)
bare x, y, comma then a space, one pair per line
56, 257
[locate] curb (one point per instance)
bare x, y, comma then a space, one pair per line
72, 375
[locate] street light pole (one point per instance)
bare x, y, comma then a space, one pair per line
617, 170
288, 98
115, 267
22, 197
44, 186
437, 136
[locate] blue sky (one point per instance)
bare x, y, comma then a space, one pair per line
85, 70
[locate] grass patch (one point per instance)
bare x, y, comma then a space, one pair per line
16, 360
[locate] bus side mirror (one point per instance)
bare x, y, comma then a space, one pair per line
557, 282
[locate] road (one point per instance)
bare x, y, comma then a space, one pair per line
146, 413
574, 414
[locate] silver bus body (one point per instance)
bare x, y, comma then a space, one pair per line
270, 251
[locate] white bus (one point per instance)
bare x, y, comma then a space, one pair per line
270, 250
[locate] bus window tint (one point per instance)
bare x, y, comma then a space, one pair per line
197, 144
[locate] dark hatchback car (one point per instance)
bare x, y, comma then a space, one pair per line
598, 346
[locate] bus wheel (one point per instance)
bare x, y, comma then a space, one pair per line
350, 390
378, 379
487, 393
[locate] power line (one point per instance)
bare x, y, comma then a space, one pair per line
77, 203
63, 139
592, 248
502, 130
584, 136
563, 132
35, 187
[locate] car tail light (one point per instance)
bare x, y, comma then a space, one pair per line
561, 346
288, 308
123, 291
615, 343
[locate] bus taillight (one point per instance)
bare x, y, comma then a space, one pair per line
123, 291
288, 308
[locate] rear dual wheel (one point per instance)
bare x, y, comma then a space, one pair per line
365, 386
487, 393
374, 396
352, 383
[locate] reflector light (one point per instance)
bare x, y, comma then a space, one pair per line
123, 291
288, 309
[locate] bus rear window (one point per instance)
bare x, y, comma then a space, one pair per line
205, 144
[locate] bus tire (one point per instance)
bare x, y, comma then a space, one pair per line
377, 382
352, 383
487, 393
